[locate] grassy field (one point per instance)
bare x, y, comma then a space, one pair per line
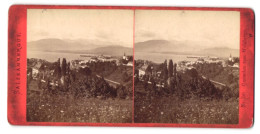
64, 107
195, 111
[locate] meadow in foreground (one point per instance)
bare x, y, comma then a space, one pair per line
64, 108
192, 111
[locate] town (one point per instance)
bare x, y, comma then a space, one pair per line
149, 71
42, 70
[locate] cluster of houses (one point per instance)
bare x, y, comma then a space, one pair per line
148, 72
76, 64
184, 65
127, 61
38, 70
147, 69
144, 68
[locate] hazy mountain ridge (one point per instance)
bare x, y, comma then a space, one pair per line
58, 44
151, 46
220, 52
164, 46
82, 47
113, 50
185, 48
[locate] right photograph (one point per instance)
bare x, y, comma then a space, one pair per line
186, 67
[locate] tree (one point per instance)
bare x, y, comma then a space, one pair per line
180, 87
63, 67
58, 62
57, 71
29, 76
68, 67
236, 60
192, 73
85, 71
145, 84
170, 85
165, 70
136, 79
125, 77
170, 68
124, 61
136, 72
175, 71
230, 78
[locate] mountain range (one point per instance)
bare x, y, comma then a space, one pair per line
186, 48
78, 46
151, 46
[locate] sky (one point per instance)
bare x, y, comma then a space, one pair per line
113, 26
207, 28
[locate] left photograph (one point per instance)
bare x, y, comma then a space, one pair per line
79, 65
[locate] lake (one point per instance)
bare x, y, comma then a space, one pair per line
53, 56
160, 57
154, 57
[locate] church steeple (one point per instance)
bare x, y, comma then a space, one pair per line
124, 57
230, 58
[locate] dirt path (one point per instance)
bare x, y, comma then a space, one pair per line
110, 81
222, 84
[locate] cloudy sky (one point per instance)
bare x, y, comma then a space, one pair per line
113, 26
207, 28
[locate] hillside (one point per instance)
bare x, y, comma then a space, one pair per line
185, 48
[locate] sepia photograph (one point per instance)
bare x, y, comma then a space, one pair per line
151, 66
186, 66
79, 65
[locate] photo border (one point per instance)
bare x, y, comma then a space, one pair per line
17, 65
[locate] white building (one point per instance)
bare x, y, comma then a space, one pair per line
130, 63
236, 65
231, 58
125, 57
35, 72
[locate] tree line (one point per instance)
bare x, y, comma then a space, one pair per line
81, 83
185, 85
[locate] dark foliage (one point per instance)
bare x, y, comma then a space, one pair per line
170, 68
165, 70
63, 67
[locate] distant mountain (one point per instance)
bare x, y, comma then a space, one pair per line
152, 46
52, 44
164, 46
220, 52
113, 50
186, 48
78, 46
